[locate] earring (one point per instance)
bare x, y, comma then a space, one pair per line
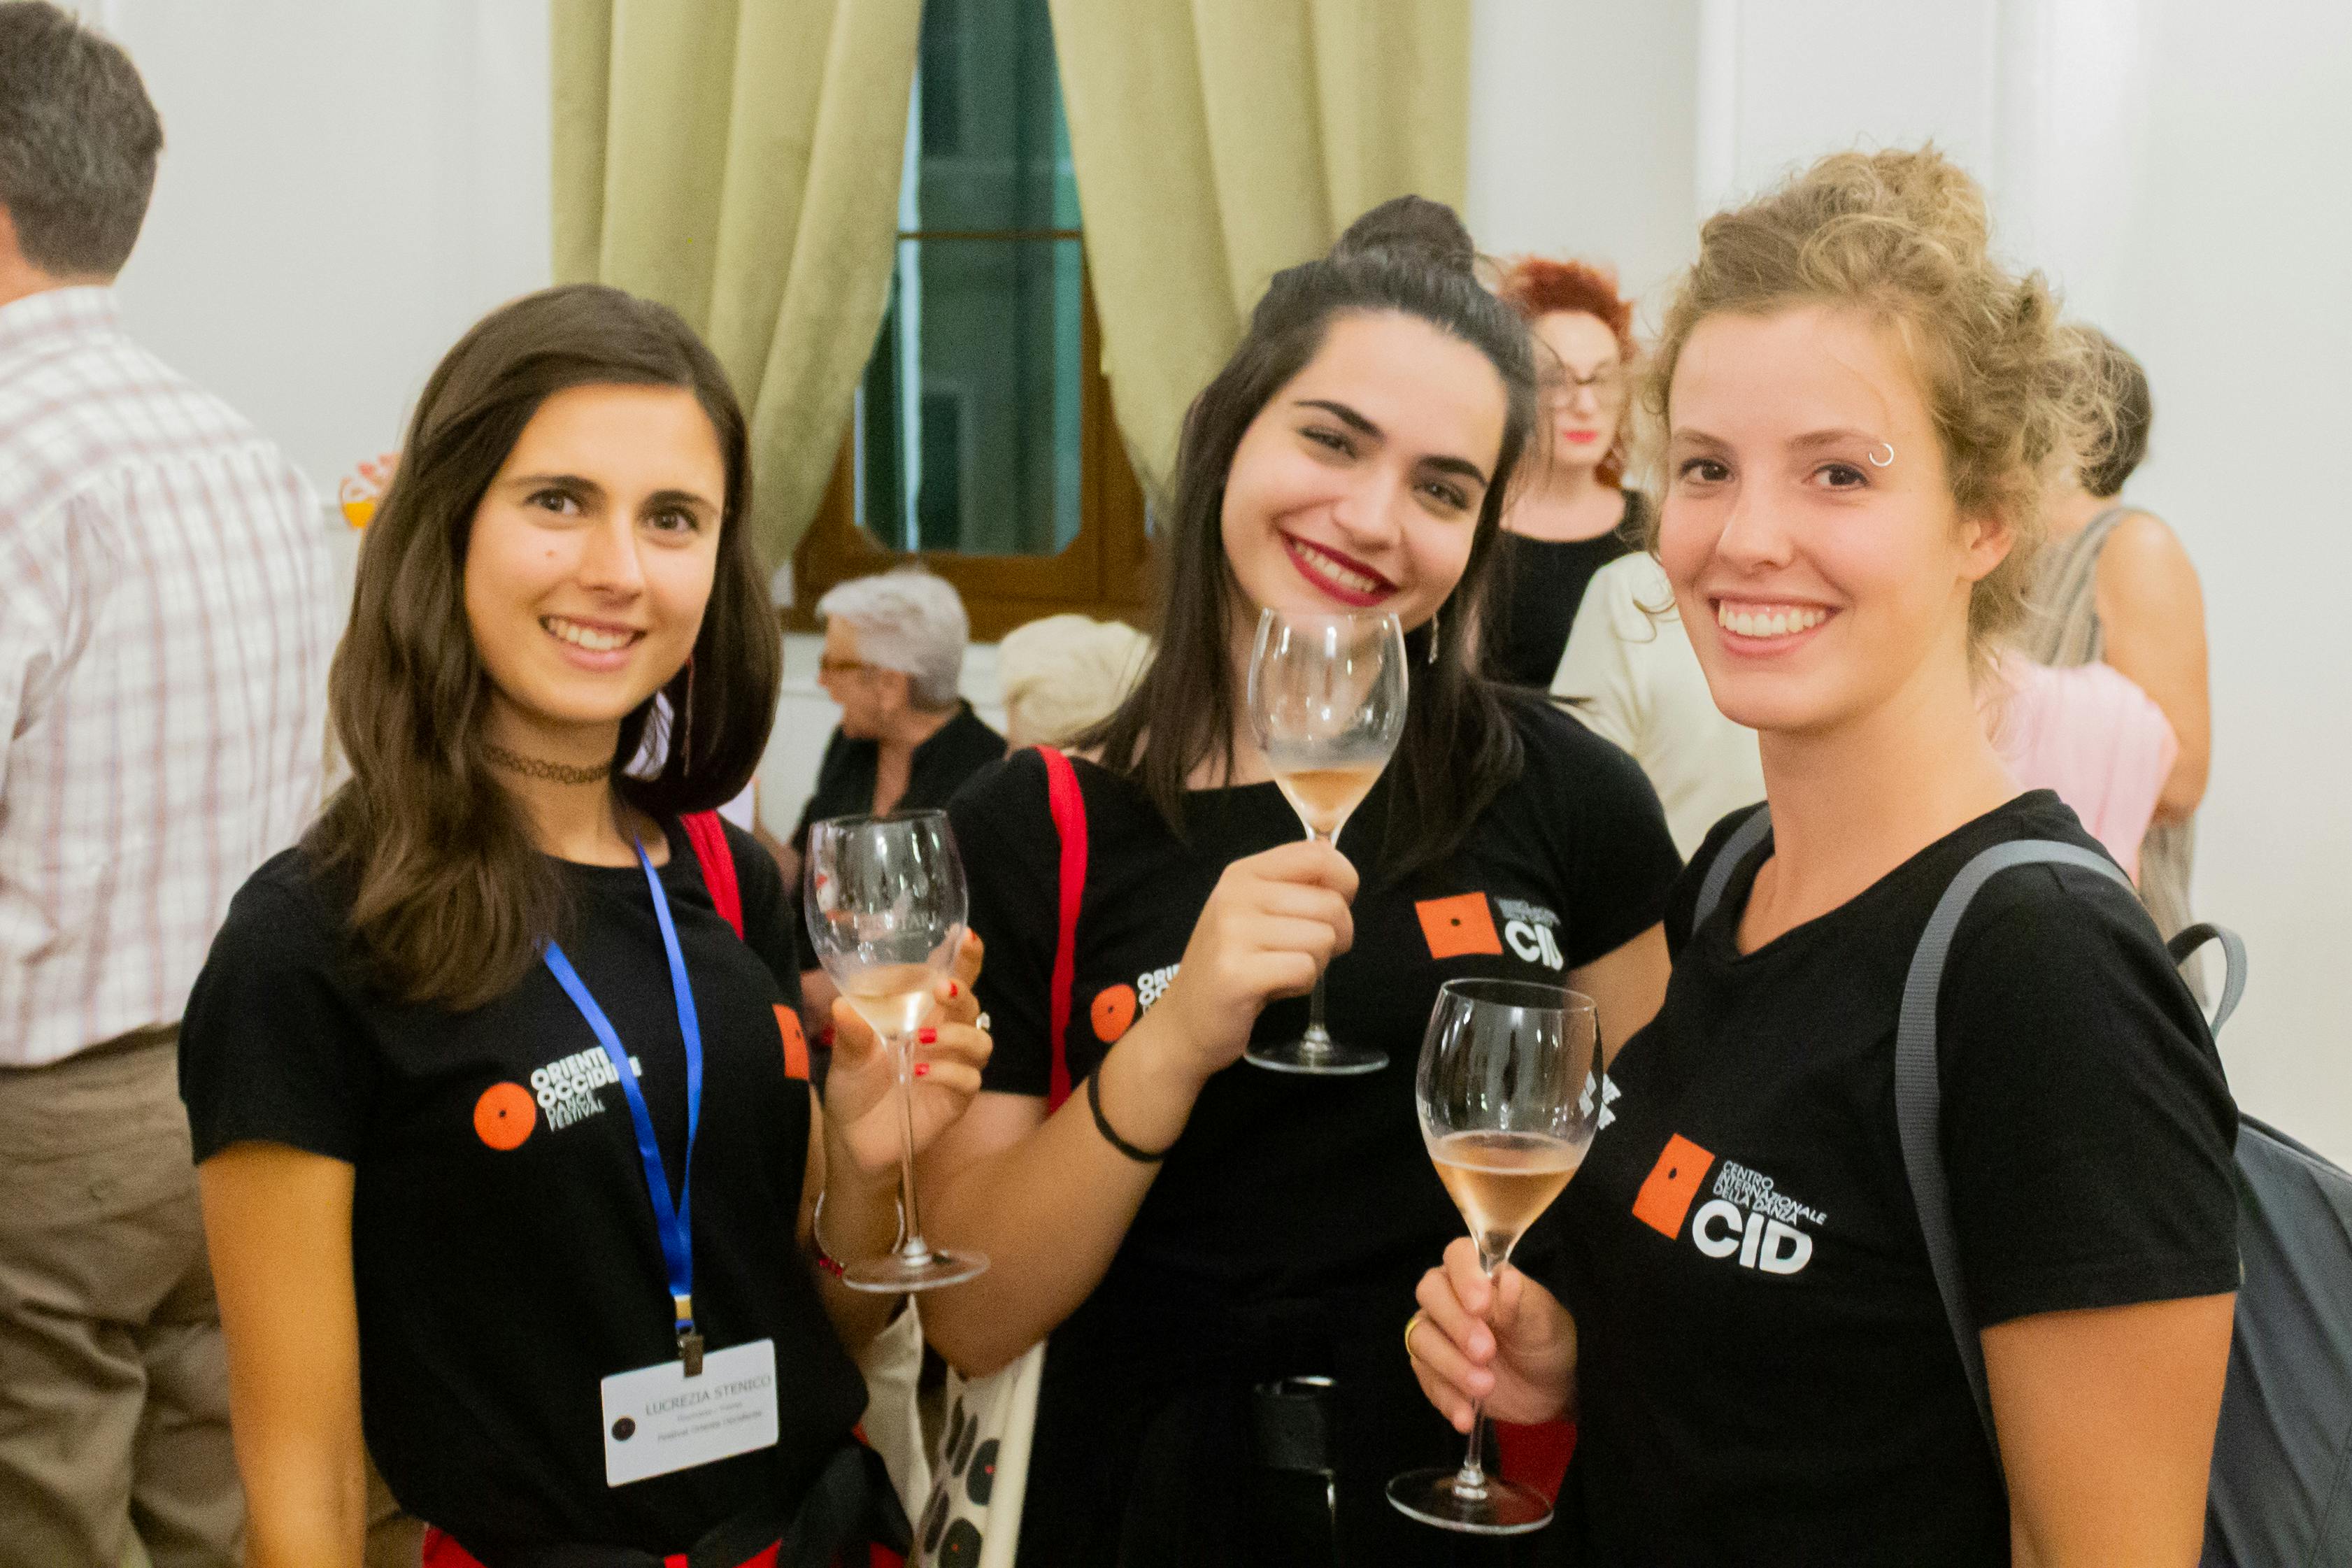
1433, 636
1878, 462
685, 746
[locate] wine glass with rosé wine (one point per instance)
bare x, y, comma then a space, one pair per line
1509, 1095
886, 907
1327, 702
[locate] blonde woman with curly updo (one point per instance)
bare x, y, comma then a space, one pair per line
1862, 411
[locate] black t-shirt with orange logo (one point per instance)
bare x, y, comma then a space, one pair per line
1293, 1212
503, 1241
1765, 1373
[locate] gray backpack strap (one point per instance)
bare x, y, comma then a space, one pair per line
2233, 962
1747, 836
1919, 1093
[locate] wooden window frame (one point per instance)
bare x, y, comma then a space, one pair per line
1103, 572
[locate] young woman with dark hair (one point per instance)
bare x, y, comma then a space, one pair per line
451, 1202
1200, 1227
1570, 517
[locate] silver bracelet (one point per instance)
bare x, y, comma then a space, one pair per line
825, 1259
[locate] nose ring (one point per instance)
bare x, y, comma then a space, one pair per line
1878, 462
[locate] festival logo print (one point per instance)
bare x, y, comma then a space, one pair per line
1746, 1218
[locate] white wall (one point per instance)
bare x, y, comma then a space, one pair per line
344, 189
2173, 165
1583, 120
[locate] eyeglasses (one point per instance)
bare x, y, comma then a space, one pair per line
828, 665
1607, 384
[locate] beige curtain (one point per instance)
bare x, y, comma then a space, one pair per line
1218, 141
739, 161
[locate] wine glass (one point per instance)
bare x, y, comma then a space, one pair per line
1509, 1095
1326, 702
886, 908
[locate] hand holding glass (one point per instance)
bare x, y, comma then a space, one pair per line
1327, 704
886, 906
1509, 1095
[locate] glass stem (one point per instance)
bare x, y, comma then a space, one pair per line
902, 1052
1470, 1480
1318, 1037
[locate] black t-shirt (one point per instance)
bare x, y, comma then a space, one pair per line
1540, 585
845, 776
503, 1241
1765, 1373
1292, 1211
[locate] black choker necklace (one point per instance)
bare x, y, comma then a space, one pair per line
555, 773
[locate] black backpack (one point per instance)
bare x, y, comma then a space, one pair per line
2280, 1494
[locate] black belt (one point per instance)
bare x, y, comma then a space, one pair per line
850, 1504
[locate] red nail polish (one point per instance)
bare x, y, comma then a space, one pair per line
927, 1036
953, 990
922, 1068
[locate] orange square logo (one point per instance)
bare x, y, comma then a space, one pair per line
1665, 1200
796, 1056
1458, 926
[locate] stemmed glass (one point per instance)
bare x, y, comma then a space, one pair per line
1509, 1095
886, 907
1327, 702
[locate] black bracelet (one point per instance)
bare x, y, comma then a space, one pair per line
1102, 1125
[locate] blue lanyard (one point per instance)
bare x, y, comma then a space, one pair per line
675, 1222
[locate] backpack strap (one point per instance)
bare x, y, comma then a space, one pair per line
1736, 849
2188, 938
1919, 1093
1068, 804
707, 834
709, 837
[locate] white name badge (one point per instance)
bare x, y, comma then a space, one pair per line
657, 1419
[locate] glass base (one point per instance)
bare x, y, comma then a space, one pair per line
916, 1268
1319, 1059
1498, 1508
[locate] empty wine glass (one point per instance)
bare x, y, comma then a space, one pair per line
1509, 1095
886, 908
1327, 702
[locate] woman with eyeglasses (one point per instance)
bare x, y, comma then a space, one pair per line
1570, 518
893, 655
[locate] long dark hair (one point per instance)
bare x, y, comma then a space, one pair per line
1459, 747
450, 896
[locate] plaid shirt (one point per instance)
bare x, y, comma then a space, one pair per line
165, 622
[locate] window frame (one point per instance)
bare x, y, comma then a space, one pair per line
1103, 572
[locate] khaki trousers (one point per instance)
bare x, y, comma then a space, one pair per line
114, 1386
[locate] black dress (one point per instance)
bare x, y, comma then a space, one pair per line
1285, 1232
845, 779
1538, 585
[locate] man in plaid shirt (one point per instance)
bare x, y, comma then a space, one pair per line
166, 624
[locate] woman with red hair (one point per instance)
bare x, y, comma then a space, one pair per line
1571, 519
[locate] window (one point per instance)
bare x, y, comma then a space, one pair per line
981, 442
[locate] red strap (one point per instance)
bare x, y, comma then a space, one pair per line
1069, 807
1536, 1456
709, 837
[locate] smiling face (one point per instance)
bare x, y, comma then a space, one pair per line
1357, 486
1584, 385
1816, 583
591, 560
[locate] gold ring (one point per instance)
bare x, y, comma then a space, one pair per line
1410, 1324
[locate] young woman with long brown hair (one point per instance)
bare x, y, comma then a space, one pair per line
1202, 1226
497, 1142
1863, 412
